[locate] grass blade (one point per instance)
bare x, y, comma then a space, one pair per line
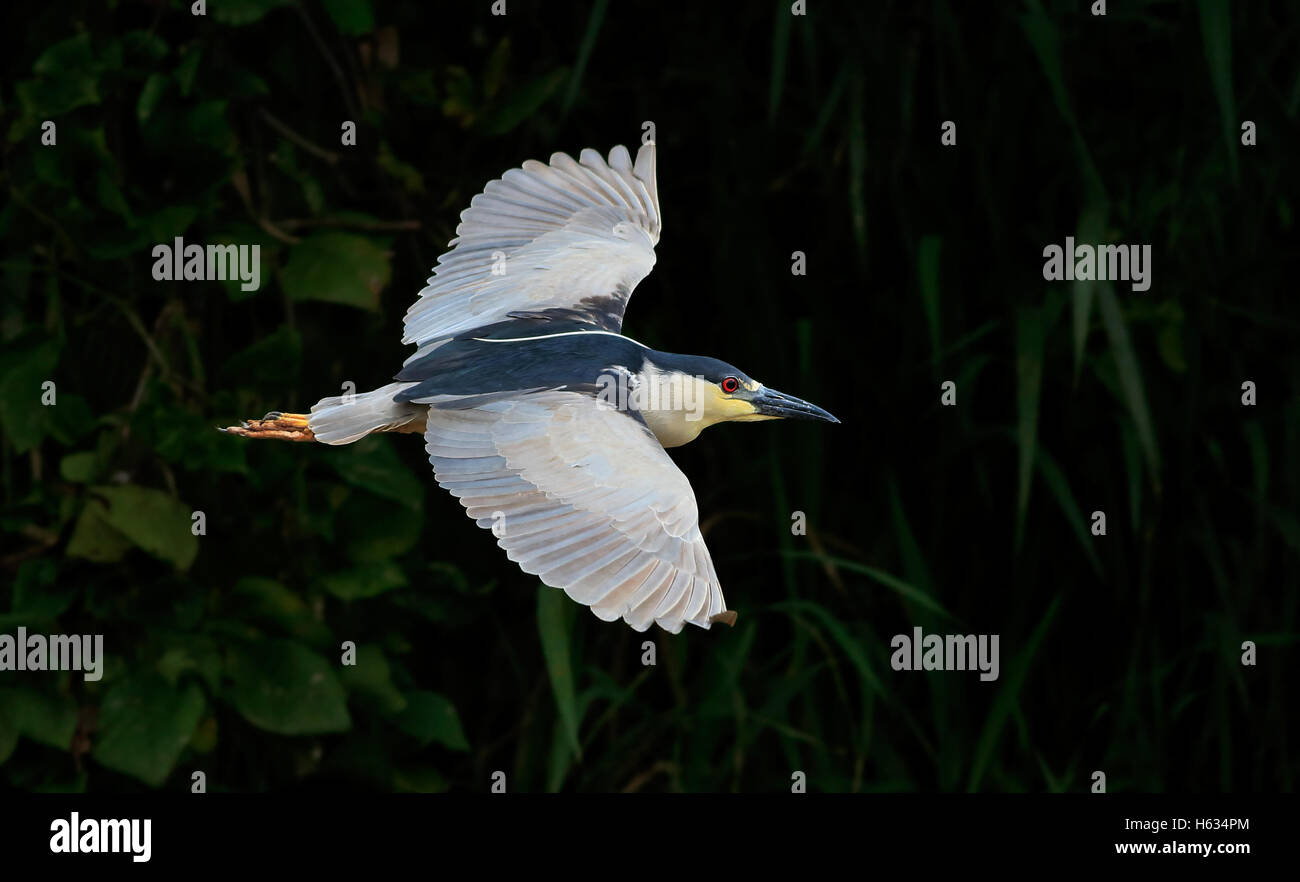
1030, 341
554, 623
858, 163
851, 647
1008, 698
1130, 378
780, 51
911, 592
1060, 487
927, 271
594, 21
1092, 227
1216, 34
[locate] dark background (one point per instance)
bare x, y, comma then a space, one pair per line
776, 134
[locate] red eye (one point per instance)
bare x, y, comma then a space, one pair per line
730, 385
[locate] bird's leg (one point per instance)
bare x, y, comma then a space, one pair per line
281, 426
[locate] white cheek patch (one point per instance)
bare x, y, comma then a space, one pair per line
693, 399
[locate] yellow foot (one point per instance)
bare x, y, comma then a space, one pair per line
281, 426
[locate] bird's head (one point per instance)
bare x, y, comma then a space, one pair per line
687, 393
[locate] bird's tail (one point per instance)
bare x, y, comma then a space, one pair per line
343, 419
340, 419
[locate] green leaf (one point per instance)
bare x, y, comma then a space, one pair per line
157, 523
188, 69
373, 465
93, 537
337, 268
168, 223
69, 78
352, 17
8, 737
368, 580
71, 419
241, 83
419, 779
45, 719
268, 252
143, 47
554, 623
283, 687
430, 717
150, 94
523, 102
188, 440
39, 593
111, 197
197, 655
372, 677
268, 360
23, 371
267, 599
72, 54
144, 725
494, 73
206, 128
375, 529
399, 170
243, 12
204, 739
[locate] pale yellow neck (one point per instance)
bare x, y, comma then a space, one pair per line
677, 407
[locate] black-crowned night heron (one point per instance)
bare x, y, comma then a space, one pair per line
544, 420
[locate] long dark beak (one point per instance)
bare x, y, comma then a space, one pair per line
769, 402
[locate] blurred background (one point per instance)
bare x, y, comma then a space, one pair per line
777, 133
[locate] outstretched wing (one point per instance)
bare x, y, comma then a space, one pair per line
584, 497
574, 237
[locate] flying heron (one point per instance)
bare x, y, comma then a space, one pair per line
538, 413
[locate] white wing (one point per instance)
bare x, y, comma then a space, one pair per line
584, 497
574, 236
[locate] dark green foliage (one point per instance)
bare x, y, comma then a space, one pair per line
777, 134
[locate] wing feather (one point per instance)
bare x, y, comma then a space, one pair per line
574, 235
585, 498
